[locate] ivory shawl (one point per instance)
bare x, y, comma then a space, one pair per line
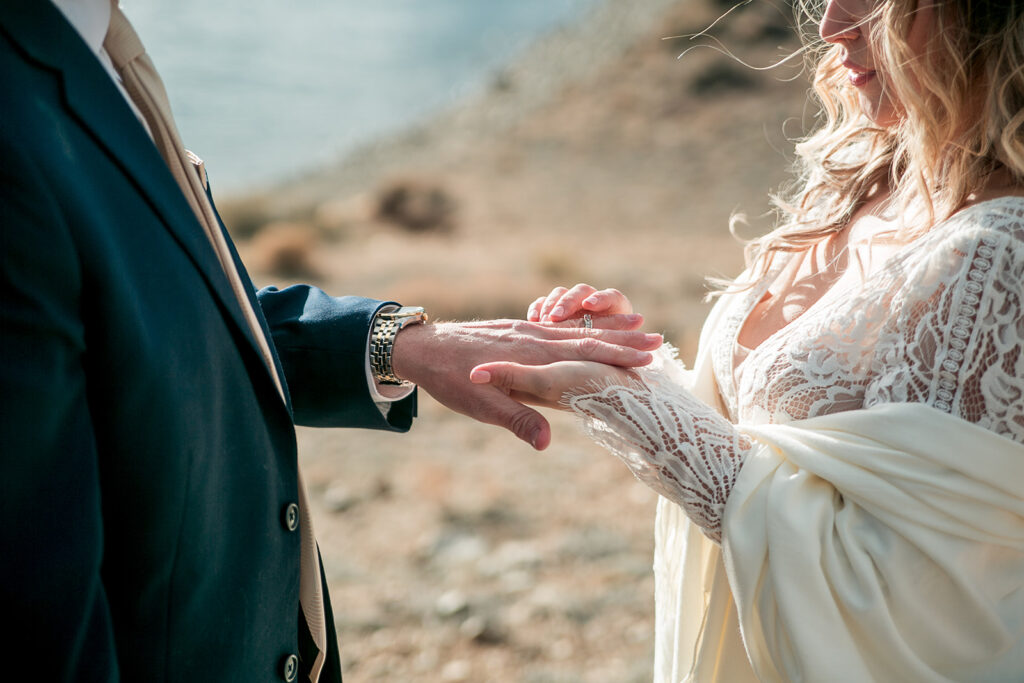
882, 544
876, 544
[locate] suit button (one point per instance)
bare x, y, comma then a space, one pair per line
290, 517
289, 668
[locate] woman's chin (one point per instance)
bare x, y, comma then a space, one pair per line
879, 110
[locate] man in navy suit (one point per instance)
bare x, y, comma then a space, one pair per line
149, 483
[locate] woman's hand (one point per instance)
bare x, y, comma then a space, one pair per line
440, 356
545, 385
563, 304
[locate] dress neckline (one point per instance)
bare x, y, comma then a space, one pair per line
738, 354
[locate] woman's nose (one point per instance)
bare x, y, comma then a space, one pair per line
839, 24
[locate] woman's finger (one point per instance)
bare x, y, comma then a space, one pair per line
533, 312
531, 383
550, 301
609, 301
569, 304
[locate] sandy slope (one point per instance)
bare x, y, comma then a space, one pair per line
455, 553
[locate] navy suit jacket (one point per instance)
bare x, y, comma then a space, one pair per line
147, 458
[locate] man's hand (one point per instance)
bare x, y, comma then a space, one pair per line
440, 357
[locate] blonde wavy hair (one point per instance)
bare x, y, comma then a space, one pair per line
961, 120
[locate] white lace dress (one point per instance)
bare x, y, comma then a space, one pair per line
941, 325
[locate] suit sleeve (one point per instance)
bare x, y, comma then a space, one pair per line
52, 536
321, 343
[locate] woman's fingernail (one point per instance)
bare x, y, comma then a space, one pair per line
557, 312
480, 377
534, 436
652, 337
634, 317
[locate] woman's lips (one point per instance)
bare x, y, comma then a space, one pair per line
860, 78
857, 74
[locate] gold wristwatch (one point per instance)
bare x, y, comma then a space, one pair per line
386, 326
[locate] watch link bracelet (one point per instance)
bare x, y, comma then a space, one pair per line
386, 326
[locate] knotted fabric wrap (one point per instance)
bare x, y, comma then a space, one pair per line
143, 85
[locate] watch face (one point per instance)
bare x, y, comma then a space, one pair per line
406, 312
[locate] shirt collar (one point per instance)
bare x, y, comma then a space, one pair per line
91, 18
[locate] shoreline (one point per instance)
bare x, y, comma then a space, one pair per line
597, 136
567, 55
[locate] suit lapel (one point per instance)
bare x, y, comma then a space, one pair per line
95, 101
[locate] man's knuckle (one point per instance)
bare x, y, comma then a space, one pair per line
520, 422
588, 346
521, 326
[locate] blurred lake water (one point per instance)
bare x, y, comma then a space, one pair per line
264, 89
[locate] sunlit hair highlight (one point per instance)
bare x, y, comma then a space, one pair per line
962, 119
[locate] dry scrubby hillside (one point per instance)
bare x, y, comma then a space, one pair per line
456, 553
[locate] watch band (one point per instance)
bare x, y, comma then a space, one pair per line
386, 326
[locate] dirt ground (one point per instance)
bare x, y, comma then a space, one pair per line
455, 552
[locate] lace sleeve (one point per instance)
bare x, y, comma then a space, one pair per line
679, 446
956, 340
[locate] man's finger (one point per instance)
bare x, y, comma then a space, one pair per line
616, 321
611, 347
643, 341
526, 423
598, 351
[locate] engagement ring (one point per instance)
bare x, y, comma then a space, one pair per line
588, 322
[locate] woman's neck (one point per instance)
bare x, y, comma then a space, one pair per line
1000, 183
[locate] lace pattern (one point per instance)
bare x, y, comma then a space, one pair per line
970, 331
679, 446
940, 323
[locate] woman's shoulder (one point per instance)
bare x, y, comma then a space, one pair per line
977, 246
995, 217
993, 225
